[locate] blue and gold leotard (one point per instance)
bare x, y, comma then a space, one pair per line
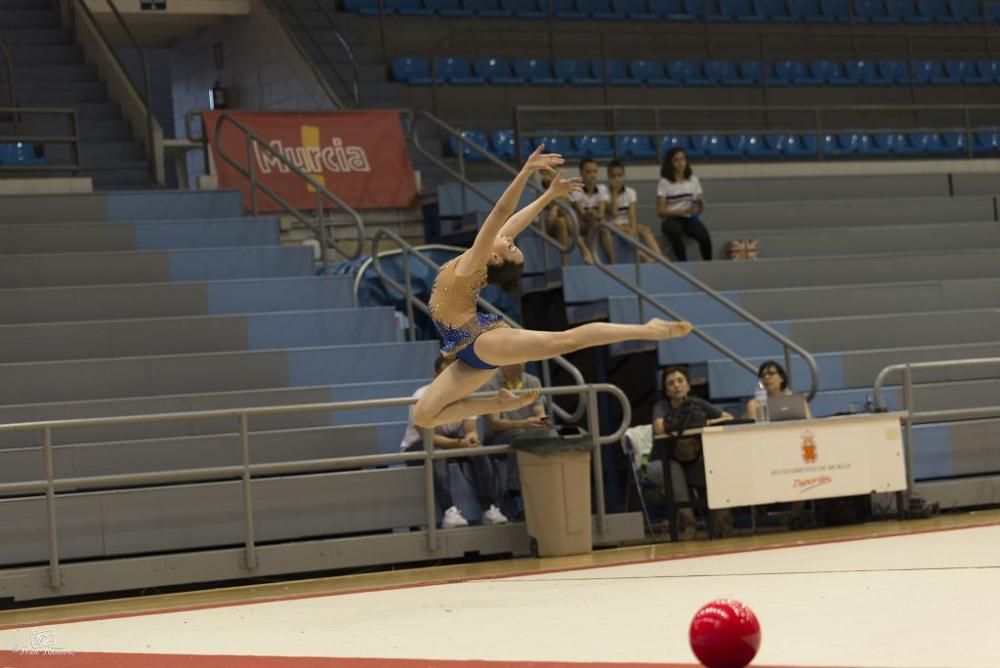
453, 309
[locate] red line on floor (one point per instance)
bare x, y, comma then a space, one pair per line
541, 571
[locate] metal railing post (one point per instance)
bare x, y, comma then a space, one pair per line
321, 219
908, 426
55, 577
252, 175
248, 520
594, 426
430, 502
408, 282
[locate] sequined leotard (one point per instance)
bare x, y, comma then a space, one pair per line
453, 309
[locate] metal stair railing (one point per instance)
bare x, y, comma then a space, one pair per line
353, 87
414, 120
411, 301
317, 225
8, 64
642, 297
50, 483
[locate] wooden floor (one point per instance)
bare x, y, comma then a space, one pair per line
482, 570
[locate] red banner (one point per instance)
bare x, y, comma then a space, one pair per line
360, 156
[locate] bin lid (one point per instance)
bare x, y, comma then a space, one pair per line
547, 441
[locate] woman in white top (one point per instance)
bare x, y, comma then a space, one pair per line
622, 211
679, 200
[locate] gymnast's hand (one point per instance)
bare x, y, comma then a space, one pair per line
544, 161
561, 187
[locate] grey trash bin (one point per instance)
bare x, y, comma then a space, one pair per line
555, 483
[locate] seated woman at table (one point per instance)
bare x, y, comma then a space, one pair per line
774, 378
675, 413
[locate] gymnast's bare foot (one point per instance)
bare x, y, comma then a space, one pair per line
665, 329
508, 401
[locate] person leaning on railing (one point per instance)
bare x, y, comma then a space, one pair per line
679, 203
557, 222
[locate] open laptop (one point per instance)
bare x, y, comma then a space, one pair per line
786, 407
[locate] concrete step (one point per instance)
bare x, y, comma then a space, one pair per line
119, 176
77, 380
199, 334
34, 36
60, 94
29, 54
110, 268
91, 130
75, 72
158, 300
122, 207
25, 4
28, 18
99, 237
182, 403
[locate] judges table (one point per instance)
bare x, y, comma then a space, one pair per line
798, 460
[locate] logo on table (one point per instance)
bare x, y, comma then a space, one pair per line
809, 450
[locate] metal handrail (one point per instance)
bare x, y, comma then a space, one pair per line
147, 95
317, 226
354, 88
908, 407
9, 68
539, 229
643, 296
317, 74
246, 471
73, 139
411, 301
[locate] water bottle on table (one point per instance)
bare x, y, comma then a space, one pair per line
760, 402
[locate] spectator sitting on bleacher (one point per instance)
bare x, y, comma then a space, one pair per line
590, 204
501, 428
774, 378
484, 478
679, 201
673, 414
557, 223
622, 211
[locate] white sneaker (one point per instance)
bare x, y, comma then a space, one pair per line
453, 518
494, 516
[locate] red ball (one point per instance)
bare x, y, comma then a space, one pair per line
725, 634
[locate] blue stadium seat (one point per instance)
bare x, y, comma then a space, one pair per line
679, 141
616, 72
877, 146
696, 8
595, 146
903, 11
413, 71
966, 72
565, 146
807, 10
896, 72
535, 71
361, 6
20, 153
488, 9
966, 10
759, 147
936, 11
671, 10
476, 137
955, 142
723, 146
652, 73
448, 8
797, 146
832, 148
989, 69
636, 146
864, 72
600, 10
751, 70
931, 143
575, 72
726, 73
524, 9
697, 146
986, 142
456, 71
635, 10
792, 73
566, 10
871, 11
504, 146
740, 10
774, 11
894, 143
407, 7
829, 72
689, 72
929, 72
992, 11
837, 10
497, 71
